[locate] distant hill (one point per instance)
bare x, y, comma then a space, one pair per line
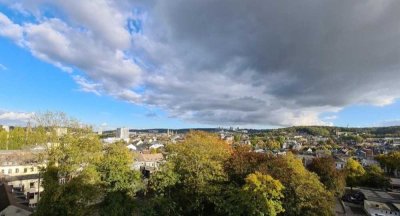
393, 131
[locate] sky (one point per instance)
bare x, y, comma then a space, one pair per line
180, 64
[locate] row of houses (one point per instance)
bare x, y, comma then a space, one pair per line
20, 180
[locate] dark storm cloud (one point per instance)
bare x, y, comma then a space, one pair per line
289, 55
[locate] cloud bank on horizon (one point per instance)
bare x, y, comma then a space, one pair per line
257, 62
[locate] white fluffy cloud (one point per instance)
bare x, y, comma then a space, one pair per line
9, 29
14, 118
256, 62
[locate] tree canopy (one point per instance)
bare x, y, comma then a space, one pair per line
354, 172
333, 179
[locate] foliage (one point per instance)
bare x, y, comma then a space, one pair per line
199, 160
17, 138
72, 160
192, 175
115, 169
272, 144
391, 161
73, 198
3, 139
375, 177
303, 193
263, 194
355, 138
161, 182
333, 179
203, 175
314, 130
119, 181
354, 172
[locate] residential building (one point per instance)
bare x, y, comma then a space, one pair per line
147, 160
148, 163
21, 171
122, 133
10, 204
374, 208
6, 128
61, 131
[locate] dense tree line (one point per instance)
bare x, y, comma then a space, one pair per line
20, 137
390, 161
201, 176
205, 176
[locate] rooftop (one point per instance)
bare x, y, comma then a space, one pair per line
376, 205
17, 157
150, 157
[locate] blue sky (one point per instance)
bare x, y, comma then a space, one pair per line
152, 65
30, 85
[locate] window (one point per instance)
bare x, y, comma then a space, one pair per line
2, 171
9, 171
16, 170
25, 170
32, 169
32, 184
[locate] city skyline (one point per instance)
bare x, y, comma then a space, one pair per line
147, 65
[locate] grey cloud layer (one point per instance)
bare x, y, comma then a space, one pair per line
228, 61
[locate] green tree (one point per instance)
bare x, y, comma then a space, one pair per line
120, 182
375, 177
391, 161
303, 193
116, 172
198, 162
73, 161
37, 136
17, 138
263, 195
281, 140
236, 137
163, 186
272, 144
162, 181
3, 139
354, 172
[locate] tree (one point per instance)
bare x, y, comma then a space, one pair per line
236, 137
72, 160
272, 144
115, 169
333, 179
76, 197
161, 182
263, 194
375, 177
303, 193
391, 161
17, 138
281, 140
198, 162
3, 139
120, 182
354, 172
37, 136
162, 187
